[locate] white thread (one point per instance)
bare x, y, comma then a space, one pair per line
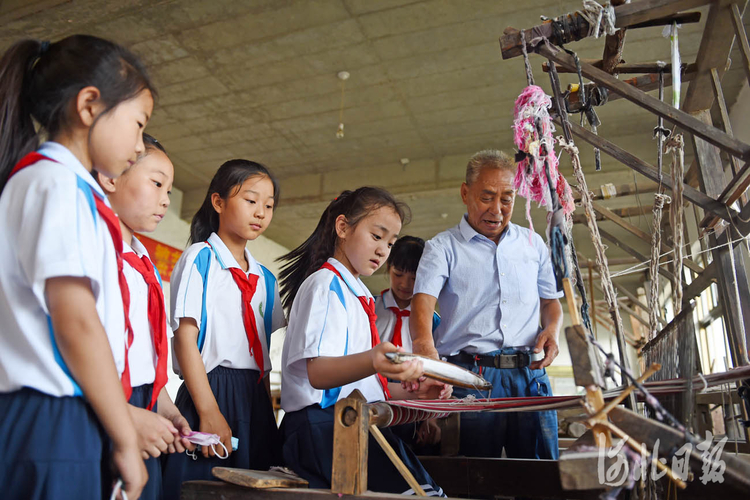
116, 489
642, 266
194, 456
705, 383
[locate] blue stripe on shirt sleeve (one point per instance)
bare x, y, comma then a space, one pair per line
330, 396
202, 264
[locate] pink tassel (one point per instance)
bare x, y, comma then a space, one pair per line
531, 179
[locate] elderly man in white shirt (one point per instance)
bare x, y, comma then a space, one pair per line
501, 316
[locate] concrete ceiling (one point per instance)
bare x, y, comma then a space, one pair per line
257, 79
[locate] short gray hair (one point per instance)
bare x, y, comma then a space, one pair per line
488, 158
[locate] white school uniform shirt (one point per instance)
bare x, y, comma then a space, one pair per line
50, 228
386, 321
326, 319
203, 289
141, 356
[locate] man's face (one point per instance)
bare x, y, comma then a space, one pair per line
489, 201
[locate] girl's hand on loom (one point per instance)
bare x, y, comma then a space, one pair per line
410, 370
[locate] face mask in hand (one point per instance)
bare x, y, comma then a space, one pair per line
205, 439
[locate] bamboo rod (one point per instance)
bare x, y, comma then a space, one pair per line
396, 461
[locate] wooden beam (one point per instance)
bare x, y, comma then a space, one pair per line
711, 177
488, 477
739, 31
635, 253
680, 18
627, 309
627, 68
689, 123
627, 15
350, 445
613, 45
621, 190
636, 301
608, 214
642, 11
690, 193
726, 124
644, 83
713, 52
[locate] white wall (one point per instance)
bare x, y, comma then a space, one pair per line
174, 231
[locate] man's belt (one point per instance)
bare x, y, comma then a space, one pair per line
517, 360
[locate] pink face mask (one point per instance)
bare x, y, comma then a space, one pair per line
206, 439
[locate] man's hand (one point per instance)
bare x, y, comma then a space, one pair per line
420, 325
425, 349
546, 341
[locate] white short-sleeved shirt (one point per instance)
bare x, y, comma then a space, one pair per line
141, 356
488, 293
50, 228
386, 322
326, 319
202, 288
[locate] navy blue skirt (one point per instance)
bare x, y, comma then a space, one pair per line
141, 397
308, 451
245, 405
52, 447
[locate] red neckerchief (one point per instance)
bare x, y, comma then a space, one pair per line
369, 307
157, 318
113, 224
247, 285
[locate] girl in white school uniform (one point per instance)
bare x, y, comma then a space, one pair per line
140, 197
61, 308
393, 308
225, 305
332, 346
393, 305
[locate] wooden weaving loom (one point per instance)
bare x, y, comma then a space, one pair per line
575, 474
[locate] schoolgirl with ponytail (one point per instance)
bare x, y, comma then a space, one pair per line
332, 345
225, 305
62, 339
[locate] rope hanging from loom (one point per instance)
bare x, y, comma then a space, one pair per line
660, 200
676, 146
601, 259
601, 18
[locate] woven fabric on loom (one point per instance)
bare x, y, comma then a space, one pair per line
415, 410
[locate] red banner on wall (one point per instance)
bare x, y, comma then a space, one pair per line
163, 256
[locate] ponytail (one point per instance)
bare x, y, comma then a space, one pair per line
321, 245
38, 81
226, 182
18, 137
